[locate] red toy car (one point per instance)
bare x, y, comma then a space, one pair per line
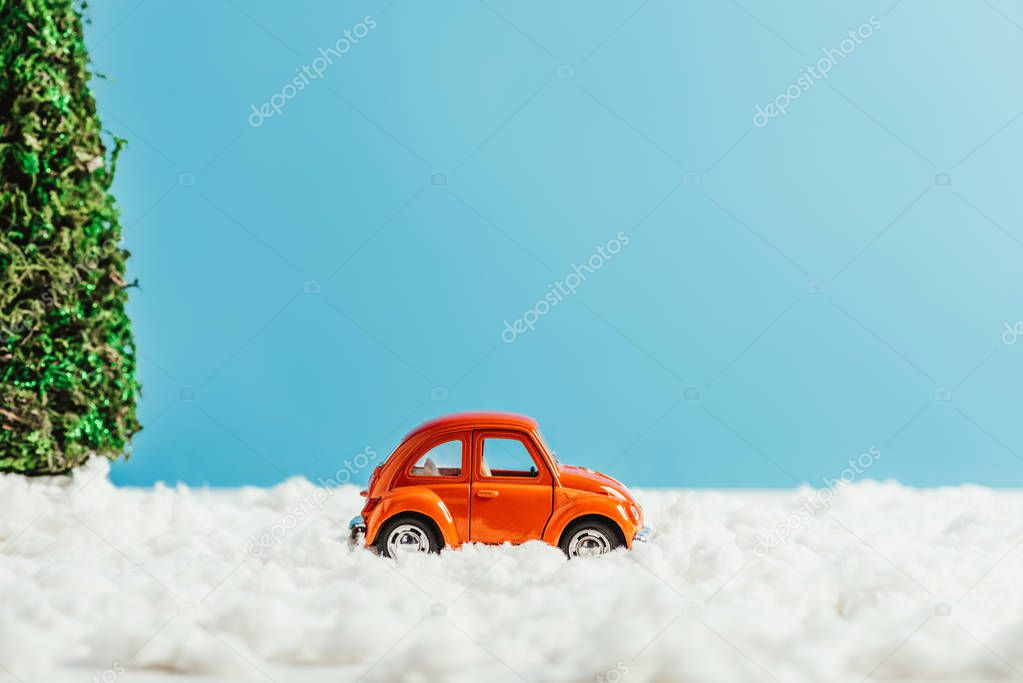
490, 478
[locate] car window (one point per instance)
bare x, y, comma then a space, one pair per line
443, 460
550, 448
507, 458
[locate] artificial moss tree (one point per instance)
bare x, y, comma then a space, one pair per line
67, 362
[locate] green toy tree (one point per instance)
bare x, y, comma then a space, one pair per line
67, 361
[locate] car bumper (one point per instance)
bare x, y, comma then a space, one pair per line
356, 531
643, 535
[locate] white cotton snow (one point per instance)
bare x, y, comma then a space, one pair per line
99, 582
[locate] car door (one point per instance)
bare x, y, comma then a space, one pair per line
442, 465
512, 491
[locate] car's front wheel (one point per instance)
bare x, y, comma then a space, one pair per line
589, 538
407, 534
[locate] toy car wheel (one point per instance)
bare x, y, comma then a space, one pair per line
589, 538
407, 535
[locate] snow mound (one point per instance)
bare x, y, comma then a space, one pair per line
882, 580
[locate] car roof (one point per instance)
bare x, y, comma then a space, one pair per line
476, 420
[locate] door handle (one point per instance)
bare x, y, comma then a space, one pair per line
487, 493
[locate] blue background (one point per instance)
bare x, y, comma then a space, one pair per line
791, 295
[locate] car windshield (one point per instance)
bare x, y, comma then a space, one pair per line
550, 448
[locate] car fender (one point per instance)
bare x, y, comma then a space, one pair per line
569, 507
418, 499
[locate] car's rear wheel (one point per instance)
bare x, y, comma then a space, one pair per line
408, 534
589, 538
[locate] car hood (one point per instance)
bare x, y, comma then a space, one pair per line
585, 479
